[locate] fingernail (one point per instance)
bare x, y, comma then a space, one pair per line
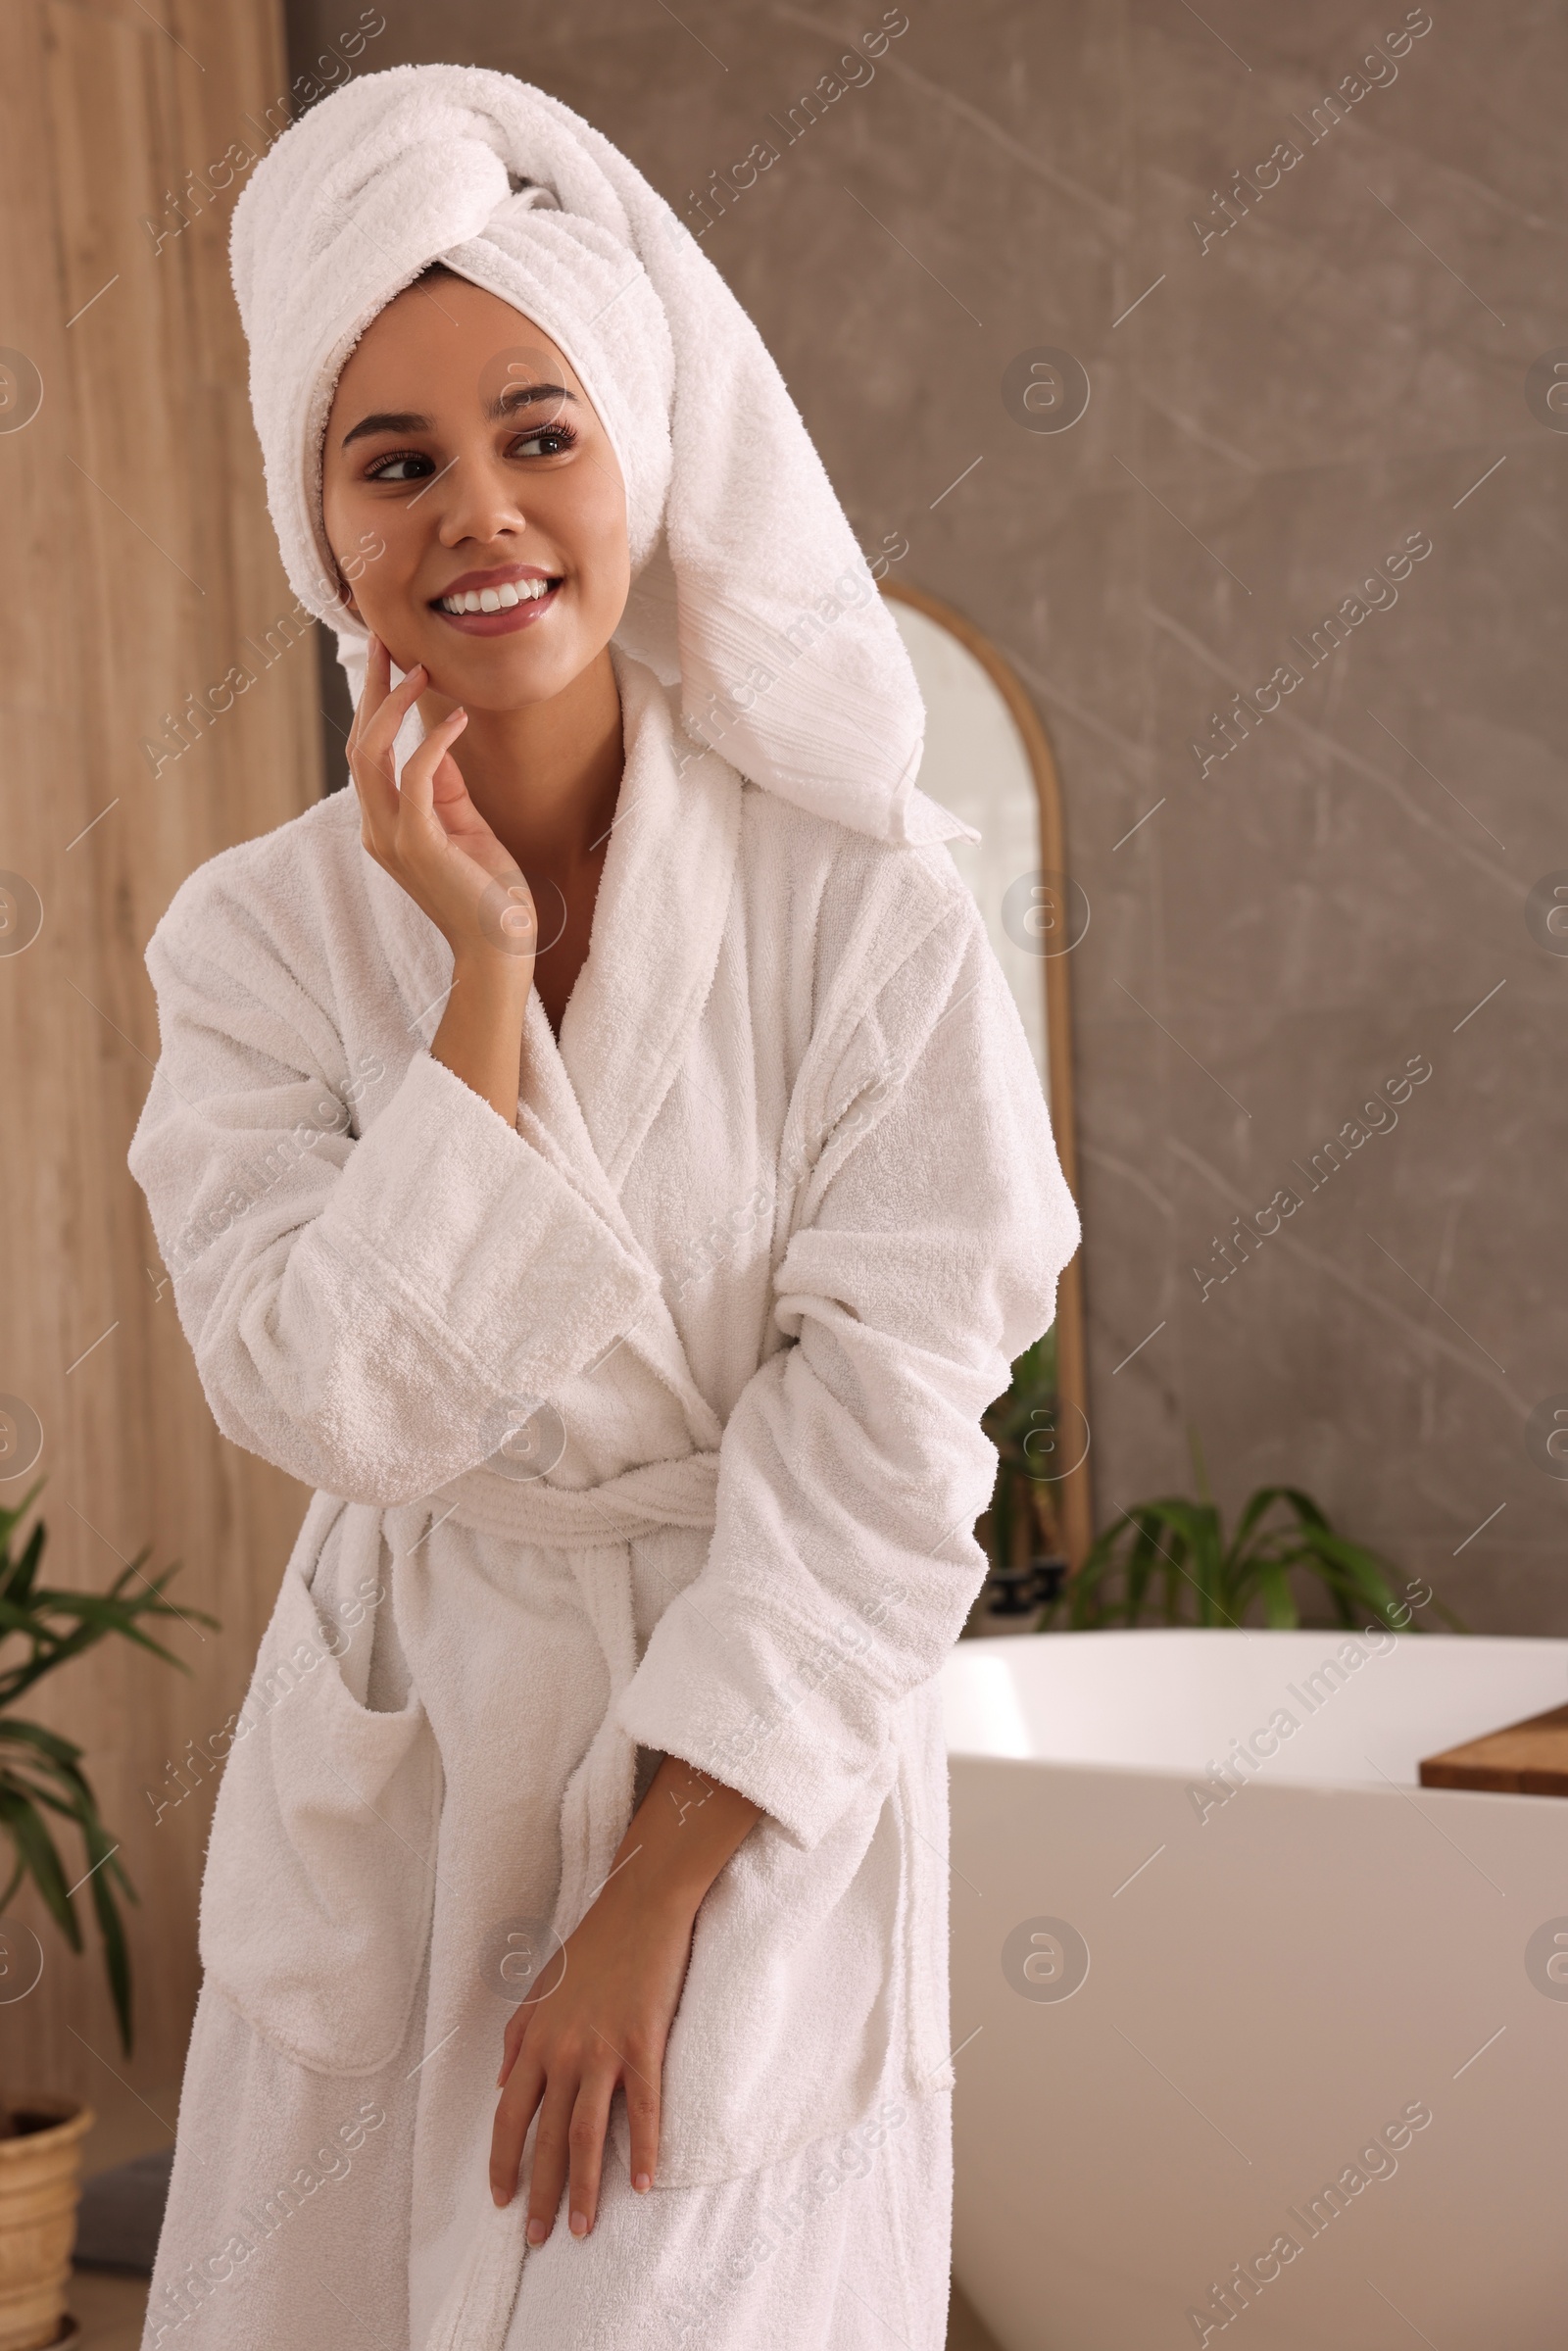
536, 2233
642, 2183
579, 2224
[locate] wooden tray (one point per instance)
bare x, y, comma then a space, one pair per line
1526, 1759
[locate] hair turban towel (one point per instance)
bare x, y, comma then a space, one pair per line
748, 587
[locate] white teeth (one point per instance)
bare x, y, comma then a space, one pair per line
495, 599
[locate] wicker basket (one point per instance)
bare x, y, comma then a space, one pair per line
39, 2185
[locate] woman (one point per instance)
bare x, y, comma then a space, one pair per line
600, 1154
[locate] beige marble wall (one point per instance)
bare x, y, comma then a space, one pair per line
1283, 396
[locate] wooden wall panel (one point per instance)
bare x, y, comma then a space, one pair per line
136, 556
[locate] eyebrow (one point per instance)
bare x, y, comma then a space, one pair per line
515, 396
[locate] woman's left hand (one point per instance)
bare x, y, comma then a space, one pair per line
603, 2012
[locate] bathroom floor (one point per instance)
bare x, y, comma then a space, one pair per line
108, 2305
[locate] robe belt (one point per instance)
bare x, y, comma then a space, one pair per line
594, 1526
562, 1518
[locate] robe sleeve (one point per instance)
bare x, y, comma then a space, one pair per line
370, 1313
923, 1260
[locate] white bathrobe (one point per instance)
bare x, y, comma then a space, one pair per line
773, 1219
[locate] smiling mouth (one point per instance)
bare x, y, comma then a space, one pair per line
498, 611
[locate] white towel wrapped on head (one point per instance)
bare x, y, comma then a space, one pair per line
748, 585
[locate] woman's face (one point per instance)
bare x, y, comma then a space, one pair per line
462, 444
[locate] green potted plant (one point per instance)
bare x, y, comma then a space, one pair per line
42, 1783
1021, 1533
1170, 1561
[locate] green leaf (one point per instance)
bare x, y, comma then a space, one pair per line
18, 1575
1256, 1507
1180, 1544
1349, 1569
49, 1743
111, 1928
11, 1519
1149, 1558
40, 1772
25, 1824
1279, 1601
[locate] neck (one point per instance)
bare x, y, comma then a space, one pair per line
546, 777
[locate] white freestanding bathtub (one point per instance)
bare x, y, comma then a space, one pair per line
1198, 2031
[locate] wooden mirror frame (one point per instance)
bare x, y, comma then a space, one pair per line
1077, 1506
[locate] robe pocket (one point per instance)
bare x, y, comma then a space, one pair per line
320, 1873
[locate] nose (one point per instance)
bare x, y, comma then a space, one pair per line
479, 500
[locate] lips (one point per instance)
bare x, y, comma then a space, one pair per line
518, 597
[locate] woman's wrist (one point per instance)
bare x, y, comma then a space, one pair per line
687, 1826
479, 1038
644, 1894
494, 974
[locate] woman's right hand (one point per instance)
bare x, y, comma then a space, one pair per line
433, 841
429, 836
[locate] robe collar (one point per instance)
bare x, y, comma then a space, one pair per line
658, 921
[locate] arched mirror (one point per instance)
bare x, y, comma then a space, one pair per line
988, 758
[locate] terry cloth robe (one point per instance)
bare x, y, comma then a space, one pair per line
647, 1425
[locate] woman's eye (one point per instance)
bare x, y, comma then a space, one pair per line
387, 468
544, 440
